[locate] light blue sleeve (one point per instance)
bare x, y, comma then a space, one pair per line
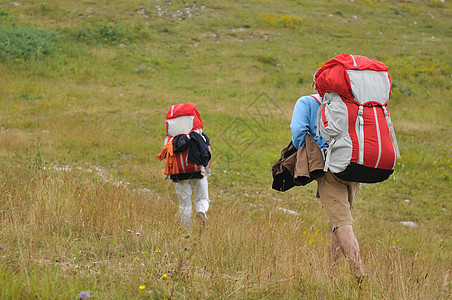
300, 121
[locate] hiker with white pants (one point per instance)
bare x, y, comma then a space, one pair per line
184, 190
194, 183
187, 155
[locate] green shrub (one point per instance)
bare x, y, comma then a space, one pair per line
26, 43
109, 33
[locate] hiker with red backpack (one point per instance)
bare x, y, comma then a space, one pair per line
188, 155
336, 195
349, 120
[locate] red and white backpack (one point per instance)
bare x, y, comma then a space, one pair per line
183, 119
354, 118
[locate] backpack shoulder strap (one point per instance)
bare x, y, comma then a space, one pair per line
391, 130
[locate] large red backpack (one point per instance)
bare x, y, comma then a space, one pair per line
183, 119
354, 118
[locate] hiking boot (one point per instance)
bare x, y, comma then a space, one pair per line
201, 217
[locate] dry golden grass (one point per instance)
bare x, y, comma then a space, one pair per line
110, 238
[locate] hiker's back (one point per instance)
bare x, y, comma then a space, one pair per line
184, 131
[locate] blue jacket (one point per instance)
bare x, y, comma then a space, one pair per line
303, 121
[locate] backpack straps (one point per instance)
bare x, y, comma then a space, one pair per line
319, 116
391, 130
328, 155
317, 133
361, 135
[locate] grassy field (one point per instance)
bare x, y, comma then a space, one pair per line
84, 89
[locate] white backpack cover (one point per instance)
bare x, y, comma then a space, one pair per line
354, 119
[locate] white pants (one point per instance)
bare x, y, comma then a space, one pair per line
184, 189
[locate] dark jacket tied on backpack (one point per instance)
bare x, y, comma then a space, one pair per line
180, 143
197, 145
197, 148
296, 168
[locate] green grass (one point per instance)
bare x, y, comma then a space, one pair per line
84, 89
